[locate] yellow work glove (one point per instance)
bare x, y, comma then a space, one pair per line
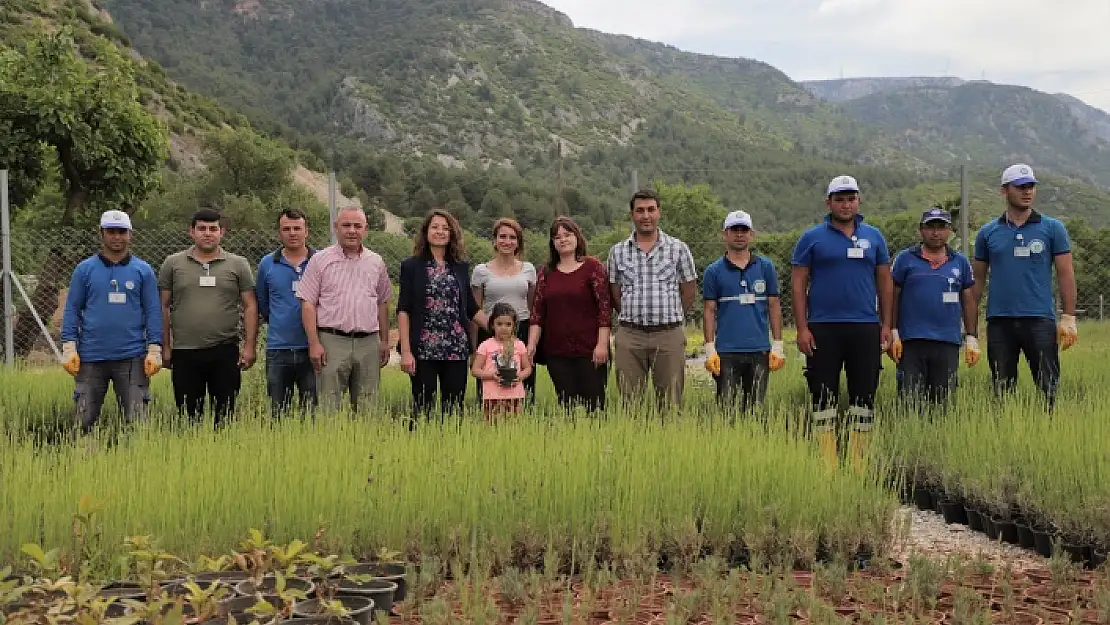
153, 362
1066, 331
776, 359
895, 350
71, 362
971, 350
712, 360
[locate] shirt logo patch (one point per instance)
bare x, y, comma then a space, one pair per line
129, 285
864, 244
1036, 246
760, 286
956, 271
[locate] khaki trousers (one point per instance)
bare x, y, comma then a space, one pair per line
660, 352
351, 365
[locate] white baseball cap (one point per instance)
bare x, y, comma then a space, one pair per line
115, 219
737, 218
1018, 174
842, 183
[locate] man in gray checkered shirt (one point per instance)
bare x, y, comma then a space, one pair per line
653, 282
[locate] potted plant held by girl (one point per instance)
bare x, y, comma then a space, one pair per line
501, 363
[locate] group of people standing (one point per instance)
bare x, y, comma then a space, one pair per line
328, 313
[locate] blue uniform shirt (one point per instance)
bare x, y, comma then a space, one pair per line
929, 304
277, 301
741, 294
113, 310
1021, 261
842, 272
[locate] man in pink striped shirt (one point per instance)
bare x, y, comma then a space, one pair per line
345, 293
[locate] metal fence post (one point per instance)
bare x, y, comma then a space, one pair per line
1100, 307
6, 242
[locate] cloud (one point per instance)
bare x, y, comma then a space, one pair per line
1021, 42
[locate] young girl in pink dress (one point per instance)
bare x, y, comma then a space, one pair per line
501, 363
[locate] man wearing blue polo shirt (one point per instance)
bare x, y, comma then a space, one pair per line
1020, 249
741, 292
112, 326
843, 300
932, 296
279, 275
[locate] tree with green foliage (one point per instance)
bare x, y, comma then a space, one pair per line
107, 149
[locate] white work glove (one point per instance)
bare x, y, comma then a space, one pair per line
895, 350
777, 358
971, 350
71, 362
712, 360
1067, 333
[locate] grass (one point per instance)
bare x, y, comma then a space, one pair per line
625, 488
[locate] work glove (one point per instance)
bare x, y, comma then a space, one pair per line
1066, 331
895, 350
71, 362
971, 350
776, 359
153, 362
712, 360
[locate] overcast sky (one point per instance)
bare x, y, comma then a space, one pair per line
1050, 45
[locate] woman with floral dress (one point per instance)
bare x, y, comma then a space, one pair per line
434, 311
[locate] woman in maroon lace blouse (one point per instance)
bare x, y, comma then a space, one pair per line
572, 312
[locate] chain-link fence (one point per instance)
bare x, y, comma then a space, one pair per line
43, 260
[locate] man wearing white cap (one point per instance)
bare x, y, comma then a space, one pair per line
741, 292
1020, 250
112, 326
843, 303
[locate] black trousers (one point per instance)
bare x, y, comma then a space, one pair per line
450, 376
200, 373
743, 375
928, 370
853, 347
528, 382
1009, 338
578, 382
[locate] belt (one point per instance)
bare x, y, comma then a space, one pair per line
653, 328
352, 335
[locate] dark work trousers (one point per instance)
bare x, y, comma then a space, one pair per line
287, 369
743, 376
212, 371
528, 382
449, 375
928, 370
855, 348
1008, 338
578, 382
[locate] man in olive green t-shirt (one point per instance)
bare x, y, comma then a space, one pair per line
204, 291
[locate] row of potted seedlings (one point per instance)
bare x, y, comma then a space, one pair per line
299, 596
1009, 523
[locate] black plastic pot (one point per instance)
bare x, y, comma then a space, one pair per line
228, 577
360, 608
379, 590
1098, 557
178, 589
974, 519
1042, 541
922, 498
240, 604
121, 591
1006, 530
1025, 536
1079, 553
938, 496
392, 571
315, 620
988, 525
269, 586
953, 512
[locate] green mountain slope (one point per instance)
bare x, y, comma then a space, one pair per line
990, 123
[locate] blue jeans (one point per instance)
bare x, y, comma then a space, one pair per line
286, 368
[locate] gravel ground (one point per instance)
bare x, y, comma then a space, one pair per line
929, 535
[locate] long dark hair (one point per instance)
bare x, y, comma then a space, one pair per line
456, 249
566, 223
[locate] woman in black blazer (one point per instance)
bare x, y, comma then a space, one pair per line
434, 312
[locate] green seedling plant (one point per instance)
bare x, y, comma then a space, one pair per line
148, 562
204, 602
